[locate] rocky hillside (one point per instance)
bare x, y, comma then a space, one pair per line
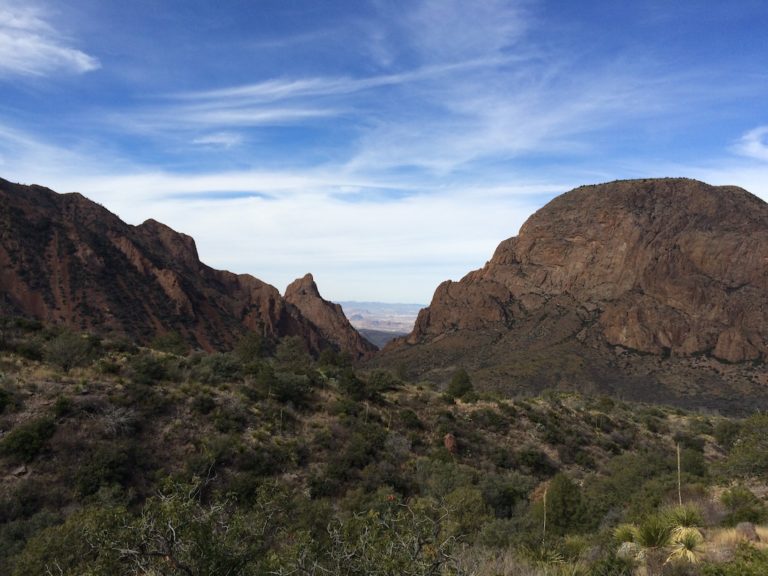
328, 316
67, 260
639, 287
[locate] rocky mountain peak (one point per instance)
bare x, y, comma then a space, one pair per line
667, 267
328, 316
304, 286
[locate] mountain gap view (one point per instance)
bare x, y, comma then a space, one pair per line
423, 288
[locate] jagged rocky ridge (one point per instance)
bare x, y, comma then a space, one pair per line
663, 280
66, 259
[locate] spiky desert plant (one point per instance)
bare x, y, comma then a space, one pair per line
686, 545
685, 516
625, 533
654, 532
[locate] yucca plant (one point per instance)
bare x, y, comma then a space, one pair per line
686, 545
654, 532
685, 516
625, 533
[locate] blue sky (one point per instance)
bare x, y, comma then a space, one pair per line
382, 145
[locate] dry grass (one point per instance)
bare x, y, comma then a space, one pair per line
483, 562
721, 543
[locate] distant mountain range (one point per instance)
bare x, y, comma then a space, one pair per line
381, 322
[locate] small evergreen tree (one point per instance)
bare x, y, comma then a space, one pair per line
460, 385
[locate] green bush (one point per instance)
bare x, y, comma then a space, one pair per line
146, 369
743, 506
26, 440
749, 456
726, 432
565, 509
748, 562
6, 399
460, 385
63, 406
107, 465
217, 368
171, 342
69, 350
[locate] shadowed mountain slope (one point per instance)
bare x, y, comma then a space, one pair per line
66, 259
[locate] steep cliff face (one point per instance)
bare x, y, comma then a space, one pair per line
68, 260
668, 266
327, 316
671, 268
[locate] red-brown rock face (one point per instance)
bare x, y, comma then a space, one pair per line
66, 259
328, 317
668, 266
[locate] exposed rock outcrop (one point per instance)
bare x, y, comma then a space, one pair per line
669, 266
327, 316
68, 260
661, 267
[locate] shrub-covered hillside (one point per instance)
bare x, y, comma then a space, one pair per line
123, 460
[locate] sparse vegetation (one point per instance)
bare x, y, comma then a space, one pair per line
268, 461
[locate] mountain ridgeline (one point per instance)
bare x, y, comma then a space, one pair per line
65, 259
651, 289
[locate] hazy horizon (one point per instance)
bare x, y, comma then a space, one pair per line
382, 146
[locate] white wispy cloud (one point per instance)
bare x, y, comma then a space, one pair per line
31, 46
454, 30
417, 164
219, 139
754, 144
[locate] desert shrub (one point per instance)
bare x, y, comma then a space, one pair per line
726, 432
69, 350
534, 462
252, 347
7, 399
467, 512
410, 419
689, 441
748, 561
565, 509
460, 385
175, 529
749, 455
489, 419
26, 440
654, 531
65, 548
266, 459
291, 354
171, 342
503, 494
381, 381
146, 369
599, 421
700, 426
107, 465
230, 418
400, 539
217, 368
364, 389
203, 403
743, 506
289, 387
14, 535
686, 516
63, 406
